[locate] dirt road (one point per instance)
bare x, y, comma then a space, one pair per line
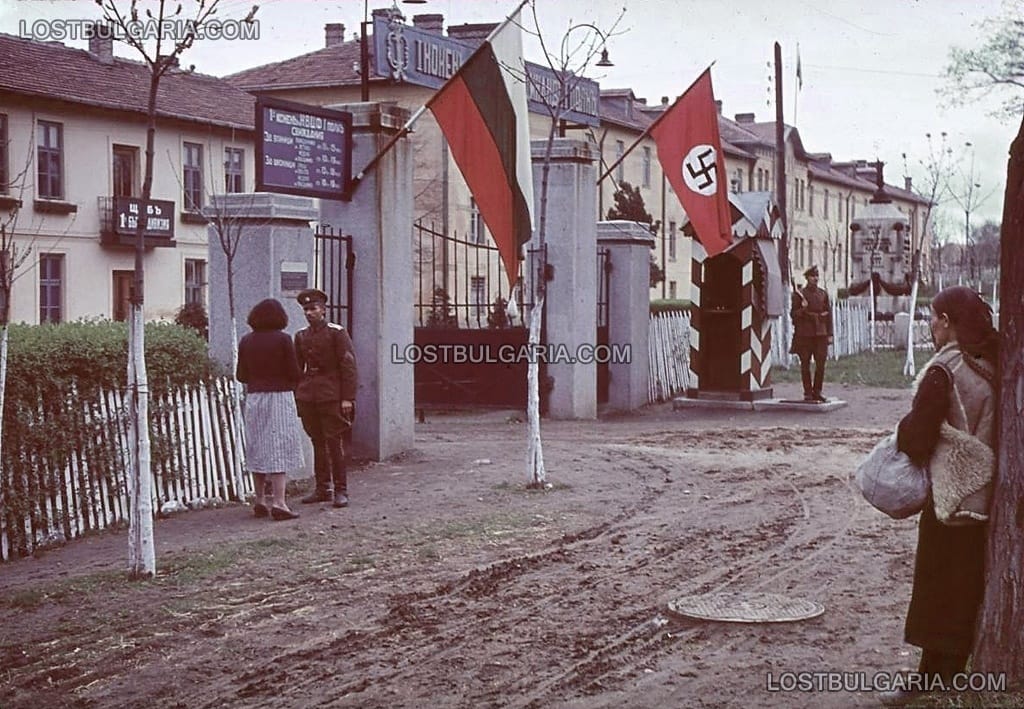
448, 584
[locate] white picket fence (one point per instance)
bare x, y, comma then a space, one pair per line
669, 353
197, 445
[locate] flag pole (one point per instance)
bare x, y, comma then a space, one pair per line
651, 127
404, 130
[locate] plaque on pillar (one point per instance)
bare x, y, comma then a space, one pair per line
294, 277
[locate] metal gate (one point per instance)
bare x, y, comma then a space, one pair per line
334, 265
463, 331
604, 274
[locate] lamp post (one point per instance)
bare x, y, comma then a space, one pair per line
564, 57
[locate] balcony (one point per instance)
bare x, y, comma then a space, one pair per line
119, 220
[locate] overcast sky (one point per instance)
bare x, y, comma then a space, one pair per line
870, 70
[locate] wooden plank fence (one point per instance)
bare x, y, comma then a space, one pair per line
668, 355
49, 497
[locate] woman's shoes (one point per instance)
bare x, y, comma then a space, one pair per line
260, 510
279, 513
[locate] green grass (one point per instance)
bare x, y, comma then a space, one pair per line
882, 368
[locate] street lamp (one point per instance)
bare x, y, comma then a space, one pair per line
604, 61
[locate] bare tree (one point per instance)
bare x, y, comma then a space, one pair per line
15, 252
994, 69
159, 59
937, 170
558, 98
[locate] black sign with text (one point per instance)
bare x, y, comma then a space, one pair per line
302, 150
160, 217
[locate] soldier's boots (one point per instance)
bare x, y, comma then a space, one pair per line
340, 499
318, 495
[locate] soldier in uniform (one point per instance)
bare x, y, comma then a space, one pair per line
811, 312
325, 396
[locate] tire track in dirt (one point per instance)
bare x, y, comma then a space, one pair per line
656, 636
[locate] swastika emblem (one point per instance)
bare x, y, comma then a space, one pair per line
700, 170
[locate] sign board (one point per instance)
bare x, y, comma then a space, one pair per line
302, 150
294, 276
160, 218
414, 56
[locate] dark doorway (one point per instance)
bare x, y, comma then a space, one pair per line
123, 294
720, 324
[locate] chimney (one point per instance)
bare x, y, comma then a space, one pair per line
908, 183
101, 42
470, 32
175, 60
664, 100
334, 34
718, 105
391, 14
744, 117
434, 24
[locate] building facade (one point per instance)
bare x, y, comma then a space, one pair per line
72, 158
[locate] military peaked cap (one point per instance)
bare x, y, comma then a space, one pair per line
812, 271
311, 295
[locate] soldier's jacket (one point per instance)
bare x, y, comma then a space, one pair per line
814, 319
327, 363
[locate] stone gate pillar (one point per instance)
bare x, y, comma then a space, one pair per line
273, 259
379, 218
629, 309
571, 238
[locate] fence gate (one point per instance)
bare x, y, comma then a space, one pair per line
335, 261
604, 274
468, 350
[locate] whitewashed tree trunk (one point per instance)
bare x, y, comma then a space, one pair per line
3, 386
236, 406
535, 450
909, 367
141, 547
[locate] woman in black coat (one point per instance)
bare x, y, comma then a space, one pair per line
273, 440
949, 566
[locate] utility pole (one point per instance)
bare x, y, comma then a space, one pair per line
780, 167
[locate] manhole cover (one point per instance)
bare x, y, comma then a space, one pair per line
739, 607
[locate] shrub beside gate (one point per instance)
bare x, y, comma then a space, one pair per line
63, 469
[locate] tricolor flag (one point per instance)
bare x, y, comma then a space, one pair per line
690, 152
482, 112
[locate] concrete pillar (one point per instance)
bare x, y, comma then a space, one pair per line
901, 330
273, 259
379, 217
571, 238
629, 311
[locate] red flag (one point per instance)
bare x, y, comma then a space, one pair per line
482, 112
690, 152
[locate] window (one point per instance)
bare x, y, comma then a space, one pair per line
824, 208
123, 283
478, 294
647, 167
124, 170
477, 235
195, 281
51, 287
192, 170
3, 154
810, 206
50, 160
672, 241
760, 180
620, 171
234, 160
672, 290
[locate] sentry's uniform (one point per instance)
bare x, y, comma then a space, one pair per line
328, 376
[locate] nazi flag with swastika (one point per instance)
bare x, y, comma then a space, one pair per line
690, 153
